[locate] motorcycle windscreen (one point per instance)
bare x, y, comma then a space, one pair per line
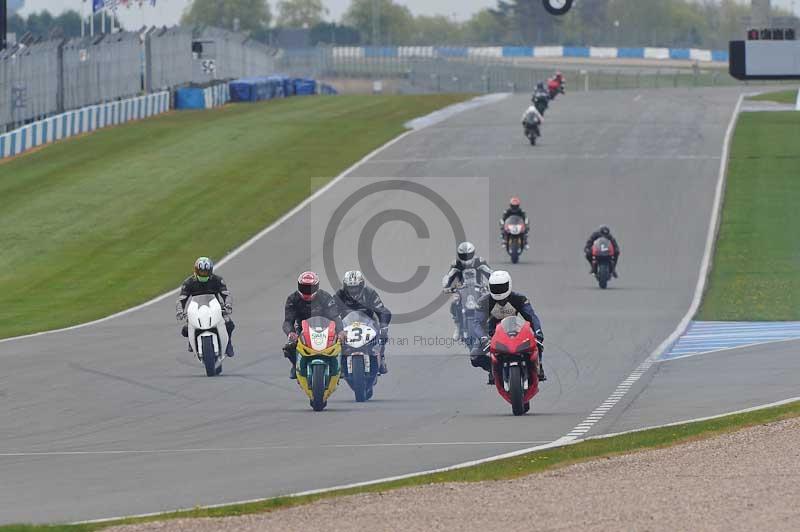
318, 333
469, 276
203, 299
515, 225
360, 328
515, 336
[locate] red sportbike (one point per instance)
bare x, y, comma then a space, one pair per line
603, 260
515, 363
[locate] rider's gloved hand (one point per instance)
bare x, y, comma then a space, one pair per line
292, 337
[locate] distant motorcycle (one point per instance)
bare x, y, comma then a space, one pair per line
533, 131
514, 236
541, 102
318, 365
554, 88
515, 363
207, 333
360, 363
602, 257
466, 296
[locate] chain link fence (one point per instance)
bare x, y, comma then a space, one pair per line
44, 78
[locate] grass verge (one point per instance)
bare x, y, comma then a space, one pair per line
789, 96
756, 272
499, 470
102, 222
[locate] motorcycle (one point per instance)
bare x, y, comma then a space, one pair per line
554, 88
360, 362
532, 131
602, 258
207, 333
515, 363
466, 296
541, 102
514, 236
318, 365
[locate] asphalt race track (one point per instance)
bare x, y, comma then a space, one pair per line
118, 419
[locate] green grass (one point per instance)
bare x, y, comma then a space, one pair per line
500, 470
789, 96
756, 269
99, 223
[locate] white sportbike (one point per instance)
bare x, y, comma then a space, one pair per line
208, 335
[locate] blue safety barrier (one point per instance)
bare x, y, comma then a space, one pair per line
576, 51
630, 53
517, 51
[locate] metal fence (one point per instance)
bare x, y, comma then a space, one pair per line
44, 78
425, 69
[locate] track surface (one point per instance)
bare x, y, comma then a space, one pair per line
644, 162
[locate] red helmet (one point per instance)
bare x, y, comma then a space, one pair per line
308, 285
515, 202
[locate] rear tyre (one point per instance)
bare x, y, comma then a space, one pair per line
209, 356
515, 390
602, 275
318, 387
358, 379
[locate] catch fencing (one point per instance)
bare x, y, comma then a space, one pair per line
44, 78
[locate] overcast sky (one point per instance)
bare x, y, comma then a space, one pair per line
167, 12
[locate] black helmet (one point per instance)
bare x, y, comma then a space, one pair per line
605, 231
540, 86
466, 251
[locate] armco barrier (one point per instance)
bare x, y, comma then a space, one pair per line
81, 121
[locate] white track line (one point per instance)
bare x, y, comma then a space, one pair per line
705, 267
14, 454
722, 350
563, 442
418, 126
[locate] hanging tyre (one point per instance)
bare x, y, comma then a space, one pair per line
557, 7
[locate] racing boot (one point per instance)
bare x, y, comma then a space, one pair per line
293, 373
382, 369
542, 376
457, 333
229, 350
490, 381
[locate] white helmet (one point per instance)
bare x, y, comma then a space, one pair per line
500, 285
353, 283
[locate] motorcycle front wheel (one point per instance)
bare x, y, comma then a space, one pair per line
318, 387
209, 356
515, 390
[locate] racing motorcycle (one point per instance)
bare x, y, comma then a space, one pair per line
318, 365
360, 361
207, 333
466, 296
532, 131
602, 258
515, 363
514, 236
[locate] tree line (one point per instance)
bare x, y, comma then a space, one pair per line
674, 23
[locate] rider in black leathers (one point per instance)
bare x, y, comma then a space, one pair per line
466, 259
501, 302
514, 209
605, 232
304, 303
541, 98
356, 296
204, 282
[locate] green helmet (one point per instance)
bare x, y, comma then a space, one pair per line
203, 268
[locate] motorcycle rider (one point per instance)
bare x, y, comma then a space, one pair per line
541, 98
501, 302
355, 295
306, 302
532, 119
605, 232
466, 259
514, 209
203, 281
